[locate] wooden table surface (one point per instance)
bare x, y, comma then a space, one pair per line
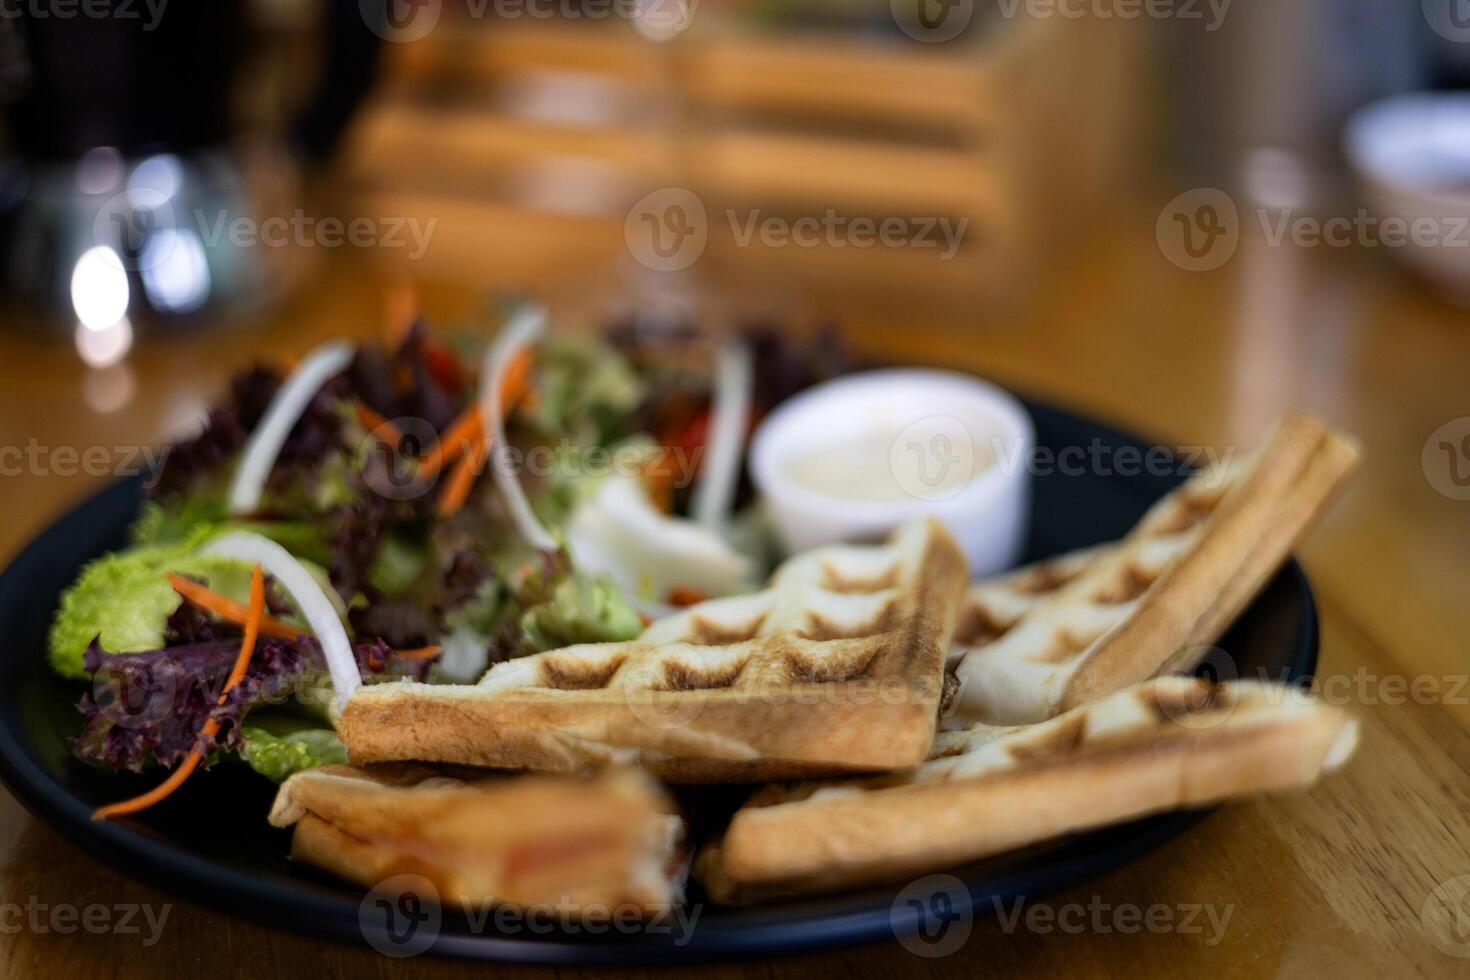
1336, 880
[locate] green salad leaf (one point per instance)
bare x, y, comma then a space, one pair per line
125, 599
193, 517
402, 563
587, 391
179, 520
277, 756
581, 610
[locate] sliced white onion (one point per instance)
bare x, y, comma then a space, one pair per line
620, 532
715, 492
525, 327
311, 601
466, 655
286, 407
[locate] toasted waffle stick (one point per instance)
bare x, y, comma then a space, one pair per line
1068, 631
1167, 743
835, 667
603, 844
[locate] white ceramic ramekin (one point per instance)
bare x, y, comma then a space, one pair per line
851, 459
1411, 155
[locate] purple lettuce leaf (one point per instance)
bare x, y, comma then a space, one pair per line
150, 708
191, 462
419, 619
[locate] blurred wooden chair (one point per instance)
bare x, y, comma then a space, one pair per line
530, 140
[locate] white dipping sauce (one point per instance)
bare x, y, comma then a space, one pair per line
888, 463
854, 458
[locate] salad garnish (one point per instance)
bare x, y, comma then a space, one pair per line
310, 599
287, 406
714, 493
211, 724
228, 609
351, 480
524, 329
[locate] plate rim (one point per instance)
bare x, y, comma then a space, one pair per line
314, 911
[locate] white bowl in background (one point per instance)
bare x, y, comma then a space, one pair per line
851, 459
1411, 155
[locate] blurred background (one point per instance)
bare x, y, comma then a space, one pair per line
1180, 216
510, 144
1183, 213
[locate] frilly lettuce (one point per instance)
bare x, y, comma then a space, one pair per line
580, 610
124, 600
177, 522
544, 607
587, 392
401, 564
278, 756
194, 518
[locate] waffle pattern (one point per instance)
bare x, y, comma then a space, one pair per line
1170, 742
1058, 634
836, 665
827, 617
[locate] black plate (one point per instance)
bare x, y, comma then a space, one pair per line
210, 842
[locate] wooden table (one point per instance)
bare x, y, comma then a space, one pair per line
1331, 881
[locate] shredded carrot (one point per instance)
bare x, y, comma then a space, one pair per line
253, 618
461, 480
683, 595
160, 792
422, 653
228, 609
232, 612
210, 728
469, 428
379, 426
